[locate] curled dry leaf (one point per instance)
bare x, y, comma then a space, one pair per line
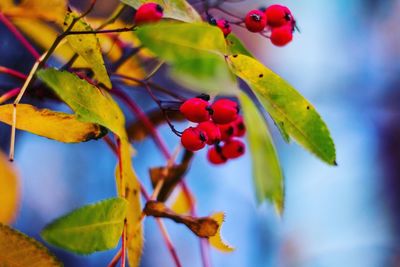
202, 227
216, 240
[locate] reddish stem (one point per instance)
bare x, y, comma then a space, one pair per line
19, 36
10, 94
116, 258
123, 256
13, 73
143, 118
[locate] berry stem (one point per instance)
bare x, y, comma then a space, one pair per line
116, 258
10, 94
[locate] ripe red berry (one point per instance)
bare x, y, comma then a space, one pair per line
195, 110
211, 130
240, 128
233, 149
255, 21
149, 12
193, 139
224, 26
227, 131
224, 111
282, 36
215, 156
278, 15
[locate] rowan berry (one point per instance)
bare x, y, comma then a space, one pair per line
255, 21
224, 26
227, 131
149, 12
278, 15
224, 111
212, 131
215, 156
193, 139
195, 110
282, 36
239, 127
233, 149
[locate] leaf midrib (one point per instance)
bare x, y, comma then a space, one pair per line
87, 227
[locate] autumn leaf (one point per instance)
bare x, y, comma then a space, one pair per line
51, 124
129, 187
267, 173
19, 250
9, 191
182, 202
89, 228
286, 106
90, 103
88, 47
216, 241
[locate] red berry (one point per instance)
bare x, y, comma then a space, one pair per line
193, 139
195, 110
227, 131
255, 21
149, 12
233, 149
240, 128
224, 111
278, 15
211, 130
215, 156
282, 36
224, 26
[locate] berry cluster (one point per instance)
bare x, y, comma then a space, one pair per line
276, 19
219, 122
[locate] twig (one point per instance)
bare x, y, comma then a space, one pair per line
13, 73
101, 31
115, 260
10, 94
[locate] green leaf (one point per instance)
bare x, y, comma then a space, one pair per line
88, 47
90, 103
268, 177
90, 228
235, 46
286, 106
194, 51
174, 9
19, 250
51, 124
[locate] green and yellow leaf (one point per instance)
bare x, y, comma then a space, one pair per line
90, 103
9, 191
267, 173
88, 229
174, 9
286, 106
19, 250
51, 124
88, 47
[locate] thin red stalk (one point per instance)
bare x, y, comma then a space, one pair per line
19, 36
168, 242
123, 247
10, 94
143, 118
13, 73
115, 260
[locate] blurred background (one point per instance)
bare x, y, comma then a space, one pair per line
346, 61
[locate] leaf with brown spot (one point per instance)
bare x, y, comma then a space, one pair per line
9, 190
19, 250
54, 125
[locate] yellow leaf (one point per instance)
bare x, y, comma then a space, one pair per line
128, 186
19, 250
182, 202
216, 240
88, 47
49, 10
9, 193
43, 35
51, 124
